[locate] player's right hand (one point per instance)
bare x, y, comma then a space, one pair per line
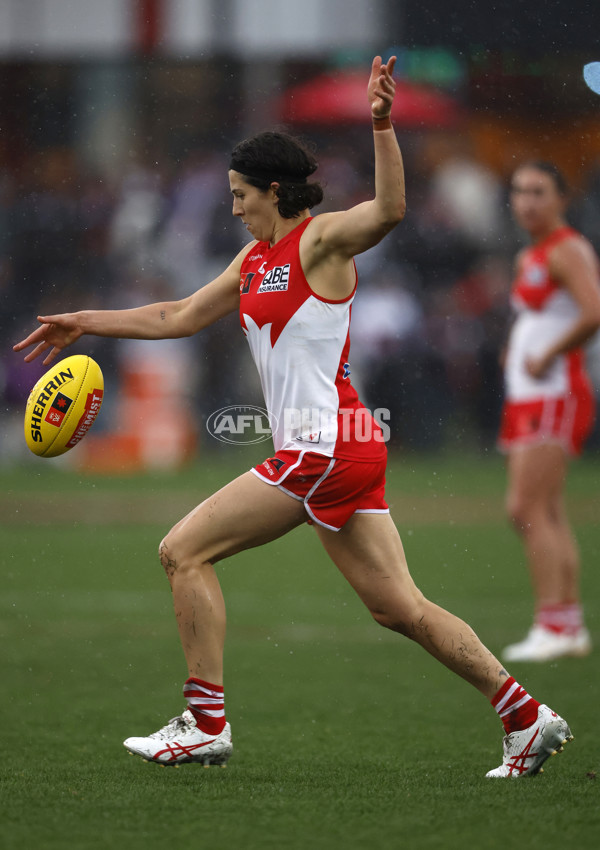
381, 88
55, 333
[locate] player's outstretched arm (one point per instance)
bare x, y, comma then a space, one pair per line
355, 230
162, 320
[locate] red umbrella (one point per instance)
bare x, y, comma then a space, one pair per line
342, 98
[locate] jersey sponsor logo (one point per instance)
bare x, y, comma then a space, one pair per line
346, 370
245, 283
262, 268
275, 280
255, 257
274, 465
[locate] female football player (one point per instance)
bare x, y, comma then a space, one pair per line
549, 406
293, 286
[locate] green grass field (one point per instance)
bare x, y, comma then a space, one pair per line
345, 735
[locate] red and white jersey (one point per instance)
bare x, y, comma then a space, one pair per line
300, 343
545, 310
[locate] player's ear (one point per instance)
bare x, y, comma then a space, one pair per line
274, 187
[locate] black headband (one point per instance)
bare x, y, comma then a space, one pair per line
265, 175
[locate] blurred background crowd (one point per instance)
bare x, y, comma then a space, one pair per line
115, 142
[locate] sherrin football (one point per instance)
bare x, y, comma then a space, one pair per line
63, 405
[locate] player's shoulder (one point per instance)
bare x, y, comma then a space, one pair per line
573, 257
573, 246
243, 254
247, 248
317, 223
315, 233
230, 276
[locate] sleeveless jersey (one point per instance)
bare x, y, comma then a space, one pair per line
545, 310
300, 343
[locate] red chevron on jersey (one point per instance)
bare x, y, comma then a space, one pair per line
300, 343
262, 273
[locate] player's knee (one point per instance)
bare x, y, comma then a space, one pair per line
167, 557
400, 617
520, 513
514, 514
172, 553
179, 555
391, 620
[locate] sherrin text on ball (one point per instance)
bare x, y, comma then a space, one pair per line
63, 405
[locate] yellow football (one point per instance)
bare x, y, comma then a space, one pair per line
63, 405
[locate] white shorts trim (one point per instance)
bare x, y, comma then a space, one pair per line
319, 521
311, 492
330, 466
288, 492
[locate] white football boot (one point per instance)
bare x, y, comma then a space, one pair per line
545, 645
180, 742
527, 750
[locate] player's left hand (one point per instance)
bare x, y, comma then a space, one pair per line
381, 87
538, 366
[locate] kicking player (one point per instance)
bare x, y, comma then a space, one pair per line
293, 286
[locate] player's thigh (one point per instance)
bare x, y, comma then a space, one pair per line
536, 474
245, 513
368, 552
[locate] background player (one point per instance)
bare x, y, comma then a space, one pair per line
294, 286
549, 406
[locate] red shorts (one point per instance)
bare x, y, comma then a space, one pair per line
331, 489
566, 421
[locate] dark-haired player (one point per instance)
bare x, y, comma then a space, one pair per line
293, 287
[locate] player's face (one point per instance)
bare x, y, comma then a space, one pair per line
536, 201
257, 208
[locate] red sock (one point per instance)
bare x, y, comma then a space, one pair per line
562, 618
517, 710
207, 704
